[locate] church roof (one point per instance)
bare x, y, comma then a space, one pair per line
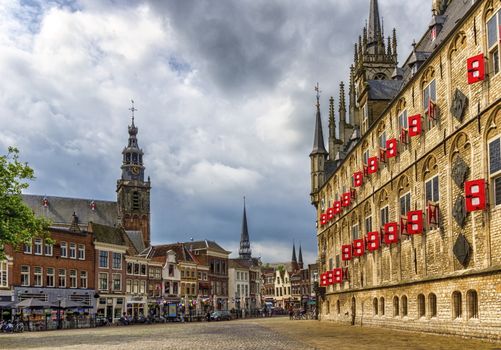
108, 234
136, 238
60, 209
384, 89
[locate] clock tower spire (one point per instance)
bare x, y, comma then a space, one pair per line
133, 193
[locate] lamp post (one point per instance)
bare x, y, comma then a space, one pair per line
59, 299
319, 292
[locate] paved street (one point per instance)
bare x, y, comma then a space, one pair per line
274, 333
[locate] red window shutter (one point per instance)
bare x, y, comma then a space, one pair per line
337, 207
346, 199
358, 247
432, 110
323, 279
372, 165
346, 252
323, 219
414, 222
391, 148
415, 125
338, 275
432, 212
476, 68
358, 178
330, 278
330, 214
404, 136
373, 241
475, 195
391, 233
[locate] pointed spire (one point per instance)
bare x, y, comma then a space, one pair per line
394, 42
318, 141
300, 262
388, 46
332, 122
342, 102
355, 54
374, 29
294, 260
244, 252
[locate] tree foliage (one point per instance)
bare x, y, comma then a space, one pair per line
18, 223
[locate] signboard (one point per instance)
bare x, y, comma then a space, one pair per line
172, 310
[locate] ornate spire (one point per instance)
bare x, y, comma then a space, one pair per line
300, 262
374, 28
394, 42
318, 141
244, 252
332, 121
294, 260
342, 102
389, 46
132, 163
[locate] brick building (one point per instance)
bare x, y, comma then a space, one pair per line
407, 196
55, 272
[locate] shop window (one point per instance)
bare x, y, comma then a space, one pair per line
432, 304
457, 311
472, 303
493, 33
421, 306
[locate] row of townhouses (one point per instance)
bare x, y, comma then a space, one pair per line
99, 257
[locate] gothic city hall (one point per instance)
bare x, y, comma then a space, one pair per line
407, 190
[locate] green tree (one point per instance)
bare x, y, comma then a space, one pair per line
18, 223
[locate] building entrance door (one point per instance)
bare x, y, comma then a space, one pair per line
109, 313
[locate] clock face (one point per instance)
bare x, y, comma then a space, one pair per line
135, 170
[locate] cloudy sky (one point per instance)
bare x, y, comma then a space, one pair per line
224, 92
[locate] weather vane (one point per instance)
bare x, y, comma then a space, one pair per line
132, 109
317, 89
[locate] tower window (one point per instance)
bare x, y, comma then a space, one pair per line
134, 158
127, 157
135, 200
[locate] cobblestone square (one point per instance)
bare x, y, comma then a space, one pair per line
274, 333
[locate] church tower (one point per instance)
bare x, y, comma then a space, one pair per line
371, 77
318, 155
133, 193
244, 252
294, 264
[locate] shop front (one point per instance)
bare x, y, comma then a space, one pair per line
110, 307
137, 306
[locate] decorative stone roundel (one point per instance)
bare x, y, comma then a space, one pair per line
459, 211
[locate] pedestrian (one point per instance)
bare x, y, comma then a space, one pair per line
291, 313
208, 316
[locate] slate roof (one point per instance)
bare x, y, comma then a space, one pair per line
182, 253
61, 209
384, 89
206, 244
108, 234
136, 238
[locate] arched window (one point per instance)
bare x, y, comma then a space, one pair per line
421, 306
374, 306
404, 305
472, 303
395, 306
338, 307
381, 305
432, 304
457, 311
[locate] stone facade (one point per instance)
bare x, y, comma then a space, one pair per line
442, 293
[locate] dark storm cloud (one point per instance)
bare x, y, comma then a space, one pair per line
225, 97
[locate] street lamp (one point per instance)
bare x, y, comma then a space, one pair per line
59, 299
